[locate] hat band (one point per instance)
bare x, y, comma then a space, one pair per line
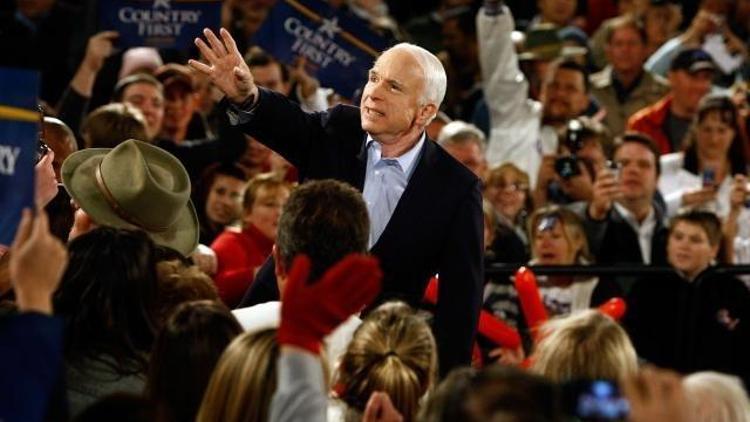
112, 202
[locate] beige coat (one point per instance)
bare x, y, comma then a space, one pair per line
650, 89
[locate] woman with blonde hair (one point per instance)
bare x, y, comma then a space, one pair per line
244, 380
393, 351
507, 190
586, 344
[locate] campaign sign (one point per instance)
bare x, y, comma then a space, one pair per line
339, 48
159, 23
19, 132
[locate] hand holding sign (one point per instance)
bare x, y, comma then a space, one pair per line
226, 68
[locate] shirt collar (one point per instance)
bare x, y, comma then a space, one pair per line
407, 161
630, 217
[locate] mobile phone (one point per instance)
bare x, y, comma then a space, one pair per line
594, 399
615, 168
747, 195
709, 177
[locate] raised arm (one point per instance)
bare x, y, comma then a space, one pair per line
505, 87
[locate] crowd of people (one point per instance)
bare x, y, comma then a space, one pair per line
219, 237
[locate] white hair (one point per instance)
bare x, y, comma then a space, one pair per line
716, 397
435, 80
459, 132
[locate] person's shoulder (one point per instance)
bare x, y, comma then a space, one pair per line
343, 117
443, 164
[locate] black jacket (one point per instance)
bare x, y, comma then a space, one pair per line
437, 226
691, 326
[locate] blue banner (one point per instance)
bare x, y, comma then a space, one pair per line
159, 23
339, 48
19, 133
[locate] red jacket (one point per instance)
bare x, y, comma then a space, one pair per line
238, 256
650, 120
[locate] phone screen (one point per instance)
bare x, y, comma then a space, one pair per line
595, 400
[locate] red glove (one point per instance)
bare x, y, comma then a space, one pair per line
309, 312
530, 299
614, 307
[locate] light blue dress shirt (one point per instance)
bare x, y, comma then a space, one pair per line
385, 182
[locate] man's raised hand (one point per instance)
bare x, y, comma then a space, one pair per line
226, 68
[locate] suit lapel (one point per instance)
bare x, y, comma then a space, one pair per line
360, 166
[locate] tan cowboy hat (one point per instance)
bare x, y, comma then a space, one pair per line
135, 186
543, 42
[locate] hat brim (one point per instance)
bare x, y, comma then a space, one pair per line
700, 67
79, 180
549, 55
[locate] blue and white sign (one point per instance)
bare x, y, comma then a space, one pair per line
159, 23
339, 48
19, 132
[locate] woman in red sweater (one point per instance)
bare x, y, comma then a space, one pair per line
241, 253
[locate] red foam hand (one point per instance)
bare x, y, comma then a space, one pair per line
615, 308
311, 311
431, 292
497, 331
491, 327
530, 299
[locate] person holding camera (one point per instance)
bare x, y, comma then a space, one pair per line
624, 219
569, 176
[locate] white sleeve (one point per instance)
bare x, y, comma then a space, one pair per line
300, 394
514, 118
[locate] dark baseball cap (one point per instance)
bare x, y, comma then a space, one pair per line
693, 60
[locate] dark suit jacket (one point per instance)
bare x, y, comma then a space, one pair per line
613, 241
437, 226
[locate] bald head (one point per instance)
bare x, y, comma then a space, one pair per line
59, 137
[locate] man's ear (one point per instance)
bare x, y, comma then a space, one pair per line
426, 113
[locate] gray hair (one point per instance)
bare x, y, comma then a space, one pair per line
459, 132
717, 397
435, 80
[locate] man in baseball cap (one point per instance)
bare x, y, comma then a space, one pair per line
132, 186
667, 121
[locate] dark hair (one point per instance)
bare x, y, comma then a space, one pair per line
257, 57
206, 181
706, 220
324, 219
107, 298
728, 115
138, 78
641, 139
121, 407
626, 21
185, 354
470, 395
573, 65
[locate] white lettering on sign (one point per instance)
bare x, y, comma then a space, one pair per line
315, 46
155, 23
8, 158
